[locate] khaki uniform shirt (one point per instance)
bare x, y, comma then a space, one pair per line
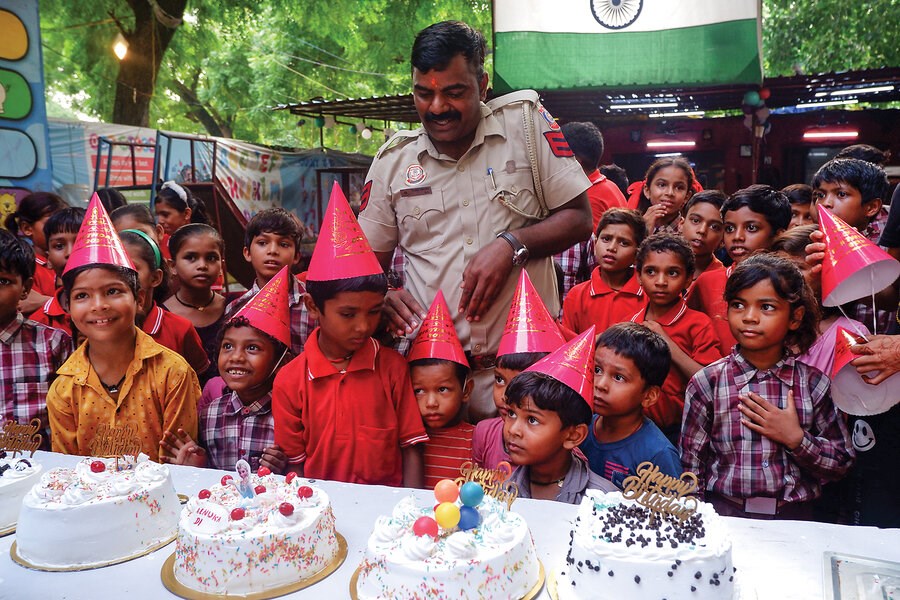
441, 211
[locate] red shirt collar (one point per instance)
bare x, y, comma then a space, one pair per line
153, 322
668, 319
319, 366
52, 307
599, 287
596, 177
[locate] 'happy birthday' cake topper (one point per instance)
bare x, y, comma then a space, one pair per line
18, 438
661, 493
493, 481
116, 442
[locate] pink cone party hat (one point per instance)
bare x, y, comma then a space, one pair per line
529, 326
853, 267
849, 390
97, 241
437, 336
572, 365
269, 309
342, 250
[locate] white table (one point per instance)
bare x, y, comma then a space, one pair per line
781, 560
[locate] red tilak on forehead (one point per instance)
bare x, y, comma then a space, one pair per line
433, 82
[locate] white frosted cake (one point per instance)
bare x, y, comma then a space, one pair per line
17, 476
496, 559
616, 552
228, 544
102, 511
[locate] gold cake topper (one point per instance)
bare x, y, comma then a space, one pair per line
661, 493
116, 442
493, 481
19, 438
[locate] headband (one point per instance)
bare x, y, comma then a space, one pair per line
150, 241
171, 185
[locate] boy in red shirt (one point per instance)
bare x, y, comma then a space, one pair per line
344, 408
613, 292
753, 217
664, 264
440, 379
703, 229
61, 229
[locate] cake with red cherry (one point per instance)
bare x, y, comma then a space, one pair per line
253, 534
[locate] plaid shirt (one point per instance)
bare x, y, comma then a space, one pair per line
576, 263
730, 459
302, 323
30, 354
231, 431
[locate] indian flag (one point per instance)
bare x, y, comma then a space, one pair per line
577, 44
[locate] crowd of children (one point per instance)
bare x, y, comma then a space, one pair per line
698, 342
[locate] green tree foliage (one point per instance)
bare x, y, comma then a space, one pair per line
230, 62
818, 36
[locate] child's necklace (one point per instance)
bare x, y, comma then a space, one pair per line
194, 306
558, 482
113, 388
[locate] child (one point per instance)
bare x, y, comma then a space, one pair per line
344, 409
111, 199
760, 430
753, 217
703, 229
166, 328
60, 230
800, 196
613, 293
530, 334
197, 251
30, 353
272, 241
439, 373
664, 265
137, 216
119, 376
853, 190
630, 364
547, 416
28, 222
669, 183
176, 206
237, 424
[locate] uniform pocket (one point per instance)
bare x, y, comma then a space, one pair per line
514, 192
423, 221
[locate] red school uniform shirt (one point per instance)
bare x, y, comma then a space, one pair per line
603, 194
595, 303
347, 426
44, 276
707, 295
446, 450
53, 315
178, 334
693, 332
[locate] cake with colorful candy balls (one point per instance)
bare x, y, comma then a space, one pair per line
467, 546
104, 510
18, 475
232, 541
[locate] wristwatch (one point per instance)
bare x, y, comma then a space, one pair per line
520, 252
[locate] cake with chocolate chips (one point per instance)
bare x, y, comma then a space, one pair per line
621, 549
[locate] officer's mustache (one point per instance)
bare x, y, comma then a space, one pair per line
449, 115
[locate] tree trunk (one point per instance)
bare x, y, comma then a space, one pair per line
205, 115
137, 71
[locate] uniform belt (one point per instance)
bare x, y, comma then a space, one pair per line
480, 362
749, 505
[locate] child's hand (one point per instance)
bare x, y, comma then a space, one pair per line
181, 449
780, 425
815, 252
880, 354
657, 328
654, 215
273, 458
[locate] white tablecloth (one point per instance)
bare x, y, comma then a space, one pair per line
780, 560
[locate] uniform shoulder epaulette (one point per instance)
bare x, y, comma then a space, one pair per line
513, 98
400, 138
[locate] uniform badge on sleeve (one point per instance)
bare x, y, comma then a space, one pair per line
558, 144
364, 195
548, 117
415, 174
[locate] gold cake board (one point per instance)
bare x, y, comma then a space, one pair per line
14, 554
8, 530
176, 587
529, 596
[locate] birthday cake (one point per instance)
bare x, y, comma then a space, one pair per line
621, 549
17, 476
105, 510
480, 549
232, 540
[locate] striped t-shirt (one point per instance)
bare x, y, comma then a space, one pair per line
445, 452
